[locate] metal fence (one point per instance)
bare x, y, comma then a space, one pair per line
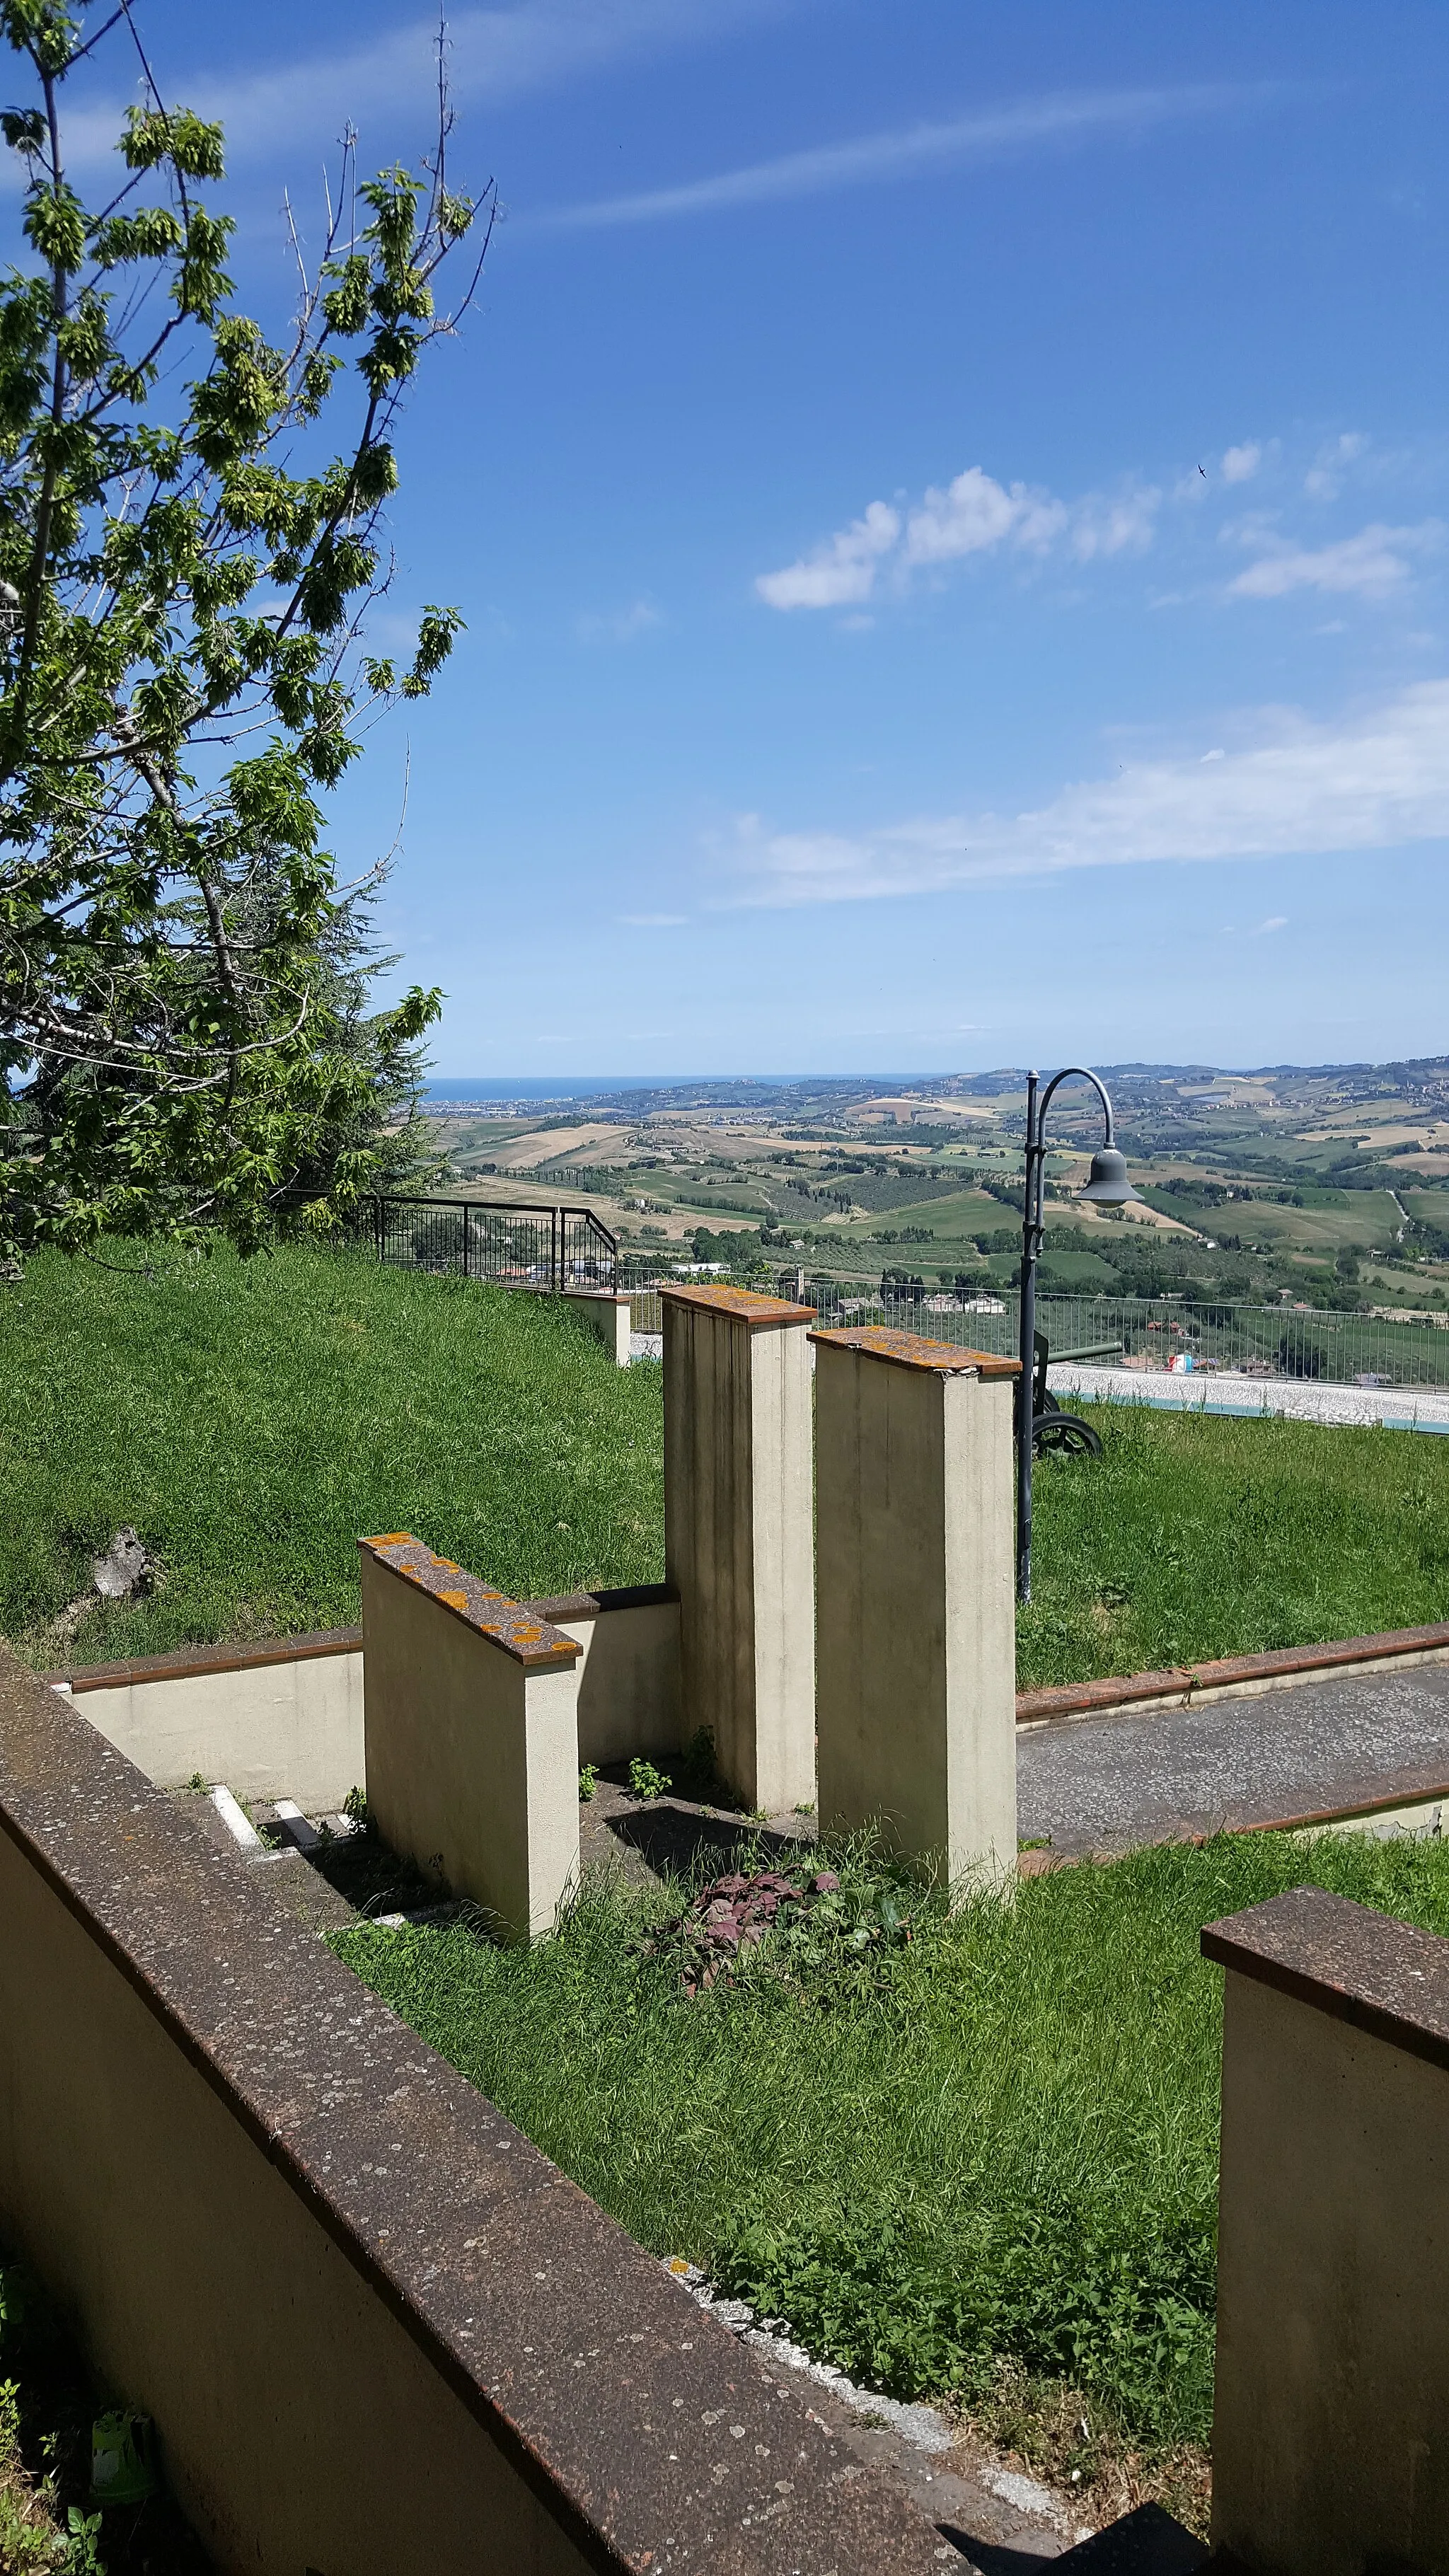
514, 1246
1341, 1349
555, 1247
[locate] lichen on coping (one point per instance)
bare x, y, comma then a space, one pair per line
506, 1623
912, 1350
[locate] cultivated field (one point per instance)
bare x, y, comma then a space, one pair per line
1329, 1187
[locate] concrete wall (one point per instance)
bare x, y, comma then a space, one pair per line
472, 1734
286, 1719
737, 1533
914, 1617
1331, 2431
606, 1316
380, 2334
269, 1723
628, 1677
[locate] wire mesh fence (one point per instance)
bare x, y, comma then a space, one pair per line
515, 1247
1285, 1342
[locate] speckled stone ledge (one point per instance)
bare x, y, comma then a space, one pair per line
914, 1351
1385, 1977
651, 2438
513, 1625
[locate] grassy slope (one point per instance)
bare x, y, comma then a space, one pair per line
1196, 1536
252, 1419
1006, 2149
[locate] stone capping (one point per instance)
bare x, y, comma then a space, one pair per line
565, 2341
1225, 1672
519, 1631
596, 1605
914, 1351
740, 1306
190, 1663
1385, 1977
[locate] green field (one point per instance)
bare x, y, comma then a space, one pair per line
997, 2143
250, 1420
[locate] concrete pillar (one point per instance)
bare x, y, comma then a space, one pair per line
470, 1711
1330, 2429
737, 1542
915, 1614
605, 1314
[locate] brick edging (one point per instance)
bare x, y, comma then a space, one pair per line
1184, 1682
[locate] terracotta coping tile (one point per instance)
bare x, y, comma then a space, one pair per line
1078, 1699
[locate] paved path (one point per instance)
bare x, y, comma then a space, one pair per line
1107, 1783
1404, 1408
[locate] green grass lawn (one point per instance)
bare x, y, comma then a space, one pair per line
1198, 1535
251, 1419
999, 2144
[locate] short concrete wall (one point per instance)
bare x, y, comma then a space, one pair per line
280, 1720
914, 1608
628, 1680
380, 2334
1331, 2431
285, 1719
606, 1316
470, 1705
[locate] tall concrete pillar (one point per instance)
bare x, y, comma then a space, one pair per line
737, 1539
915, 1615
470, 1708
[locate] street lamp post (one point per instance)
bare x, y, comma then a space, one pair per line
1107, 1185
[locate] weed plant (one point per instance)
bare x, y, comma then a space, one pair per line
993, 2145
251, 1419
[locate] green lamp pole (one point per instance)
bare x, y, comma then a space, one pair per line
1107, 1185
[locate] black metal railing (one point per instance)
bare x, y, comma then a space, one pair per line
514, 1246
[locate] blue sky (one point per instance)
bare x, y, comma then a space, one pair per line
951, 506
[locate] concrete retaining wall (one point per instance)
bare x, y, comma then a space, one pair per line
380, 2334
285, 1719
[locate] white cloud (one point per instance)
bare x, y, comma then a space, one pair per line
908, 151
1324, 479
841, 570
1372, 782
493, 55
1368, 566
973, 515
1275, 921
1240, 464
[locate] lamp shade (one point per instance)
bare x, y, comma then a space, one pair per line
1107, 1184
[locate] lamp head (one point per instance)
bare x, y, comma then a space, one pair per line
1107, 1184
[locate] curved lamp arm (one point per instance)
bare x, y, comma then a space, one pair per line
1084, 1073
